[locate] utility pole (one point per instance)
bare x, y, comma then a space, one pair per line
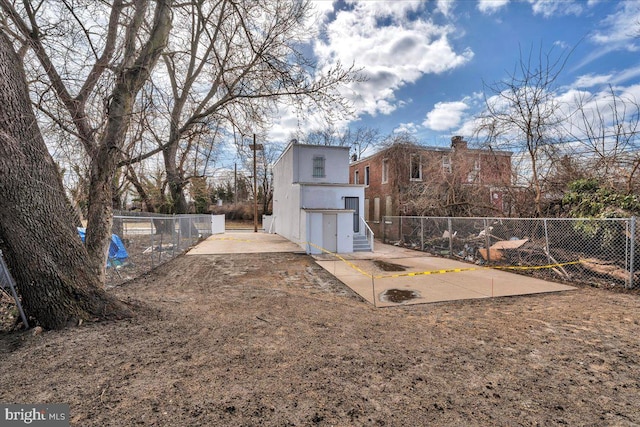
235, 184
255, 147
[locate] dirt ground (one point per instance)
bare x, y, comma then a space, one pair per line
274, 340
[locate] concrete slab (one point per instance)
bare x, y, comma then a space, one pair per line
429, 279
432, 279
246, 242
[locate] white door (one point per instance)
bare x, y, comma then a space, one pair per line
330, 232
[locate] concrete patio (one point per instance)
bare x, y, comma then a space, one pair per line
419, 278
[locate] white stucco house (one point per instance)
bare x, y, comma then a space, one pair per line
313, 203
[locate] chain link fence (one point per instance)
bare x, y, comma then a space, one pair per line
598, 252
152, 239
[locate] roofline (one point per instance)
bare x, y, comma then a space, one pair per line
292, 143
433, 148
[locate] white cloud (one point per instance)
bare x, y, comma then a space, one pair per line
410, 128
490, 6
322, 7
561, 44
620, 29
445, 115
614, 78
548, 8
392, 50
590, 80
445, 6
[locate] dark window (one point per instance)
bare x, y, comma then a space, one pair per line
416, 168
318, 167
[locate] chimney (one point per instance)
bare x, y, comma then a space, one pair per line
458, 143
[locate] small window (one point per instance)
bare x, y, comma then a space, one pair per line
385, 171
366, 175
446, 164
416, 168
356, 177
474, 175
318, 167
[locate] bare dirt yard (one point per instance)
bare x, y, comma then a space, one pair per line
274, 340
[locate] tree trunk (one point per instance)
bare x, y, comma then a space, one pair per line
37, 231
175, 180
104, 162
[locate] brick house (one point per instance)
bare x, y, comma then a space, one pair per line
408, 179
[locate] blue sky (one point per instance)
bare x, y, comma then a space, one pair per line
426, 61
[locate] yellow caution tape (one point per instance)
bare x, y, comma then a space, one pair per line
232, 238
420, 273
459, 270
355, 267
443, 271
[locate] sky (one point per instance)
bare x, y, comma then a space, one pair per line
429, 63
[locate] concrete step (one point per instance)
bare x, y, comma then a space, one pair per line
361, 244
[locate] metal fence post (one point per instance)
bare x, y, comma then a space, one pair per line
179, 231
450, 226
422, 233
632, 251
486, 240
383, 229
151, 236
546, 239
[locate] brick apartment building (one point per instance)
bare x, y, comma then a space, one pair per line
408, 179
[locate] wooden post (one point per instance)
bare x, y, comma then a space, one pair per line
255, 147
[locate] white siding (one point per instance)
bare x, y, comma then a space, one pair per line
295, 189
336, 164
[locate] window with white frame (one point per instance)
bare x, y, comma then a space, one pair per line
475, 173
416, 168
356, 177
385, 171
446, 164
366, 175
318, 167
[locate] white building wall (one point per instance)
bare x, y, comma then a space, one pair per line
345, 232
295, 190
336, 164
286, 199
314, 232
314, 225
329, 196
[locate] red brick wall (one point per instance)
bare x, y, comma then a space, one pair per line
495, 170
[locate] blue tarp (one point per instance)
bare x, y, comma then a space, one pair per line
117, 250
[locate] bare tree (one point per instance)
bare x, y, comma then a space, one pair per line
231, 64
523, 114
92, 102
604, 133
38, 233
358, 139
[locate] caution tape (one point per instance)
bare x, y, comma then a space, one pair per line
421, 273
350, 264
441, 271
460, 270
234, 239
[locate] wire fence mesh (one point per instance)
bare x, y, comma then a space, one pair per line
152, 239
599, 252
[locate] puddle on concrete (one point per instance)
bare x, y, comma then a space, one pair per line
398, 295
389, 266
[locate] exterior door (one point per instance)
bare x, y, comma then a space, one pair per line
354, 203
330, 232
